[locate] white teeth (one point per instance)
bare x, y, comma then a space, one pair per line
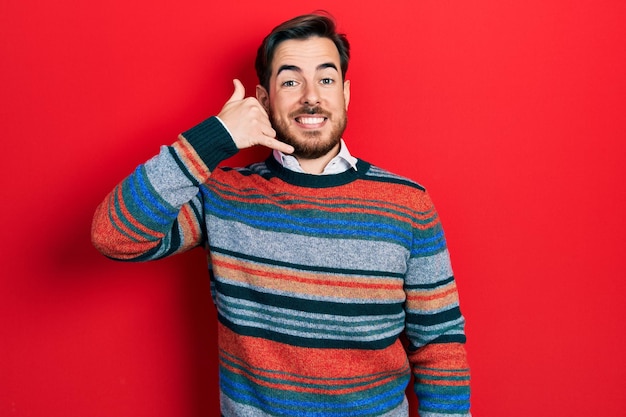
311, 120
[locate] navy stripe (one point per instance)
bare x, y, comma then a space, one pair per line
391, 179
429, 286
307, 342
433, 319
182, 166
308, 306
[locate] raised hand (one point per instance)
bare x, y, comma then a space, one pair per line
248, 122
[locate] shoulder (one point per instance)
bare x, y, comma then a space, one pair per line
240, 177
257, 168
375, 173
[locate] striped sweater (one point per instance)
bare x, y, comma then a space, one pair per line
330, 290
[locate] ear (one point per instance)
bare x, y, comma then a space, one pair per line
263, 97
346, 92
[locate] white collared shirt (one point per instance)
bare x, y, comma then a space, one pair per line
340, 163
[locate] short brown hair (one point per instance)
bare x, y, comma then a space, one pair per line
302, 27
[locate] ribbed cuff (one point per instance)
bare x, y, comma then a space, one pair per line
211, 141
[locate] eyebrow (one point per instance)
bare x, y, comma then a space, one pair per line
298, 69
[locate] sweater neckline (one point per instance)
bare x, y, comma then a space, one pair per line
315, 181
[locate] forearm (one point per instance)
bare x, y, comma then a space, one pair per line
442, 380
157, 210
436, 351
434, 323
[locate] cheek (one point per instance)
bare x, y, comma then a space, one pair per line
338, 101
281, 105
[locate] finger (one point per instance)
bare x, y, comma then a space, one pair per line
283, 147
239, 93
278, 145
269, 131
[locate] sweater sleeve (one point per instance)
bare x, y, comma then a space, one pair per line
434, 323
158, 210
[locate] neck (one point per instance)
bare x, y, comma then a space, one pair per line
317, 165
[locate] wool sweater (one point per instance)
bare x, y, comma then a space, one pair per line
330, 290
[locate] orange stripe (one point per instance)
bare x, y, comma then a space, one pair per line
304, 384
253, 197
446, 382
111, 241
420, 209
434, 303
412, 297
450, 356
434, 372
129, 217
302, 279
199, 170
292, 377
266, 277
185, 213
306, 278
375, 207
312, 363
116, 219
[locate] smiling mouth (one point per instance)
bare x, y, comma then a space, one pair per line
310, 120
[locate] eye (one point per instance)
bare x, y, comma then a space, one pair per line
327, 81
289, 83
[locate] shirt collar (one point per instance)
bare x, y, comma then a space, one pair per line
342, 162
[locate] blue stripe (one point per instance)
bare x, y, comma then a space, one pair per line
420, 250
136, 184
429, 249
239, 392
143, 185
256, 213
443, 397
350, 228
124, 220
431, 239
456, 408
457, 400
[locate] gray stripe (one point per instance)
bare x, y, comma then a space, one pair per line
168, 180
308, 250
429, 269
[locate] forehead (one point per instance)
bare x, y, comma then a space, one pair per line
305, 54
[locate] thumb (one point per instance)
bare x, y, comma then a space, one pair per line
239, 93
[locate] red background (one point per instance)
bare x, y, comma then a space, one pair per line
511, 113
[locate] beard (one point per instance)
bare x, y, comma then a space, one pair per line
313, 144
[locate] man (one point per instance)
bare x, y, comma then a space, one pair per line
321, 264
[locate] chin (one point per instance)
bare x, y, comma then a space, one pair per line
313, 149
310, 144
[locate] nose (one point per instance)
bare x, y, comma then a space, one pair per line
311, 94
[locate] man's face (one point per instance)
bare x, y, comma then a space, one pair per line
307, 99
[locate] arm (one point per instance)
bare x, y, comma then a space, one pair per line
434, 324
157, 210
